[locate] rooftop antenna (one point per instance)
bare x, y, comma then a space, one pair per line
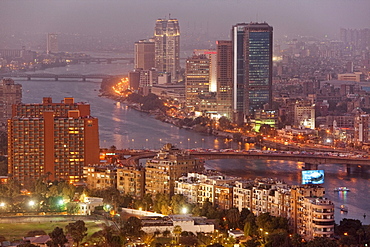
169, 16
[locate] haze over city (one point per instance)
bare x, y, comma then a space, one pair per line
236, 123
27, 21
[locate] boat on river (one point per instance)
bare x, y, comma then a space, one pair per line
343, 208
342, 189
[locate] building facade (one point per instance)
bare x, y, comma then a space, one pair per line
169, 165
100, 177
131, 180
312, 215
144, 54
52, 43
10, 93
252, 68
196, 81
52, 139
167, 47
224, 78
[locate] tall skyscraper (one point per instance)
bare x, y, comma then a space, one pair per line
252, 61
144, 54
167, 47
10, 93
212, 56
224, 78
52, 139
196, 81
52, 43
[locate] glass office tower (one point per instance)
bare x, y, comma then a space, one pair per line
252, 62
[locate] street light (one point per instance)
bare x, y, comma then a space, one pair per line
184, 210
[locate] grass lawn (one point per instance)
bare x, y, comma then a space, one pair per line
18, 230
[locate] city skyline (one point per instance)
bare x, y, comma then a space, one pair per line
211, 19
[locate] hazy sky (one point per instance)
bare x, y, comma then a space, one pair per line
137, 17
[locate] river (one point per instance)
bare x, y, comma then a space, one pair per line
126, 128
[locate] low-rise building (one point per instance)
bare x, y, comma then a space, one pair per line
169, 165
186, 222
131, 180
100, 177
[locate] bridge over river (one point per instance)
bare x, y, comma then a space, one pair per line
311, 161
56, 77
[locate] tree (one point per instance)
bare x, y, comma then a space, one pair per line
224, 123
177, 232
132, 227
58, 239
77, 230
178, 203
27, 245
322, 242
233, 217
72, 208
161, 203
148, 239
250, 227
107, 237
35, 233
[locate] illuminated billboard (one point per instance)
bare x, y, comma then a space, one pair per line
313, 177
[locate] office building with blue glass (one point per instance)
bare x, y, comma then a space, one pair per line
252, 65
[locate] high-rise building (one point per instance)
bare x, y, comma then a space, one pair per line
252, 62
10, 93
196, 80
212, 56
52, 43
144, 54
361, 125
224, 78
52, 139
167, 47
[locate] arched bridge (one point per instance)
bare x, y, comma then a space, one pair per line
311, 161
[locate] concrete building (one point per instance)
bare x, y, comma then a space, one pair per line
225, 78
196, 81
167, 47
144, 54
186, 222
357, 76
169, 165
312, 215
53, 139
10, 94
199, 188
242, 192
52, 43
131, 180
87, 206
212, 56
304, 115
100, 177
252, 68
361, 125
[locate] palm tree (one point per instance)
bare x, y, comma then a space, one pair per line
177, 232
148, 239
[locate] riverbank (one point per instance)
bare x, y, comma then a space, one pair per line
178, 122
